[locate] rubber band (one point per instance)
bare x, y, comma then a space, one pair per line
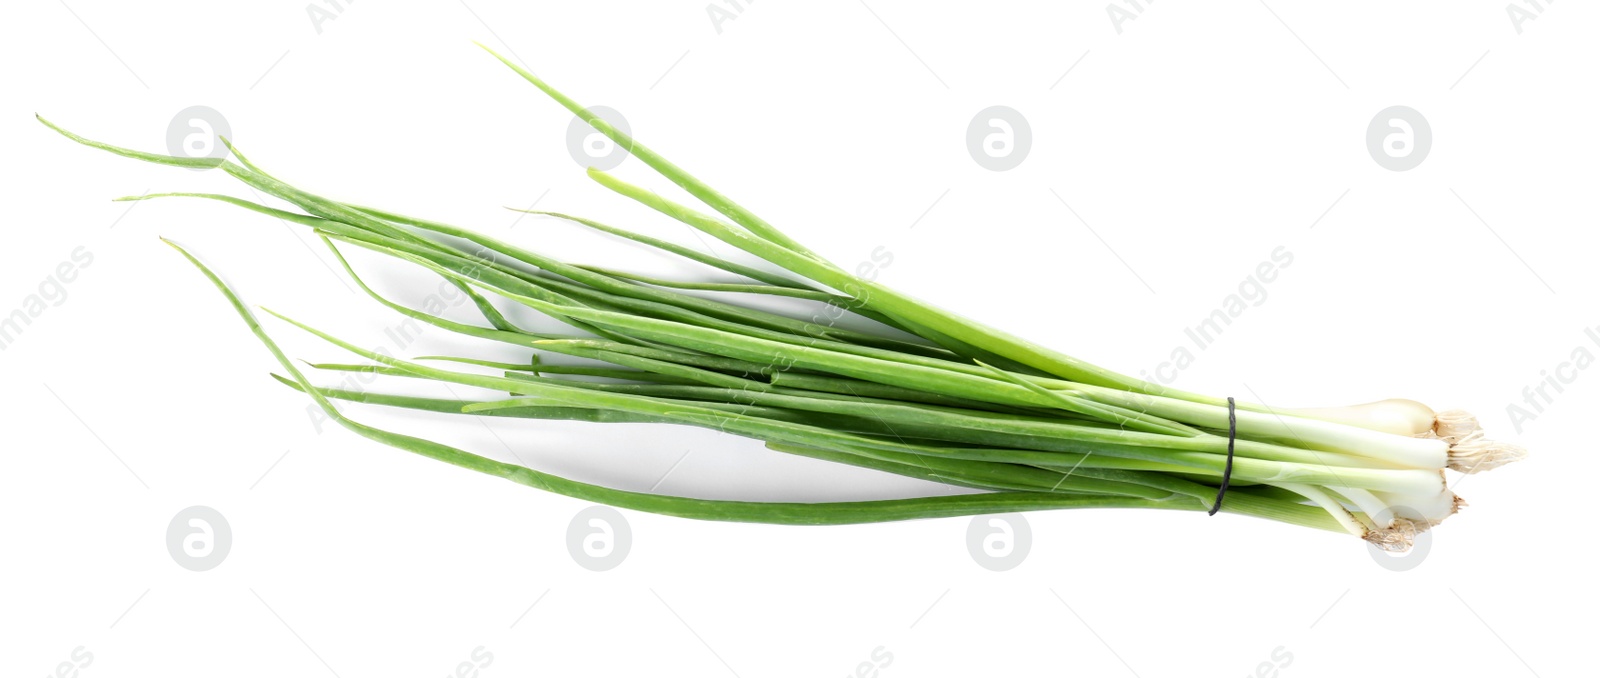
1227, 470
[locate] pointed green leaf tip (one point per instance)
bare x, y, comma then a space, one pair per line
176, 161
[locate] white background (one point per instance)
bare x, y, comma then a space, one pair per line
1190, 144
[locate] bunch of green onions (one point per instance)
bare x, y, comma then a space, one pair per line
926, 394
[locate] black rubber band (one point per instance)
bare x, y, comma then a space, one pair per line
1227, 470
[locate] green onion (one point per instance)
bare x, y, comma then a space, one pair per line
922, 392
